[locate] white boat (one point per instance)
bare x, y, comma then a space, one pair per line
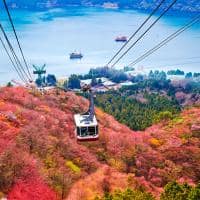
75, 55
121, 39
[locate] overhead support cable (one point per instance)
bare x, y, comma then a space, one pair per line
16, 59
163, 13
165, 41
175, 64
134, 34
15, 33
11, 60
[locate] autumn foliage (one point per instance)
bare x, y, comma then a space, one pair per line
41, 159
31, 190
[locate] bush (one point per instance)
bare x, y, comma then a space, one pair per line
73, 167
175, 191
128, 194
163, 116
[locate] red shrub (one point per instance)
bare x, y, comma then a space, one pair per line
31, 191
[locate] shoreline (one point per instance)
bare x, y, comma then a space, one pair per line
176, 77
174, 12
93, 53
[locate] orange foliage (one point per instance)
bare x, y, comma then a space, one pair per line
155, 142
94, 185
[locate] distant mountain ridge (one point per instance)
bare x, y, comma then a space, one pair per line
191, 6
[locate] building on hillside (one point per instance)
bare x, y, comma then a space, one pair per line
110, 5
127, 83
176, 77
111, 85
100, 89
88, 81
61, 81
138, 71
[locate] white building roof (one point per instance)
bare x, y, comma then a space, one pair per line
100, 88
103, 79
109, 83
86, 81
176, 77
127, 83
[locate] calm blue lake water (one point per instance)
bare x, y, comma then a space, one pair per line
48, 37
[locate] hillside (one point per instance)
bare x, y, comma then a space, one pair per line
181, 5
40, 158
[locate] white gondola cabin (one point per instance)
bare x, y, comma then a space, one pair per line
86, 128
86, 124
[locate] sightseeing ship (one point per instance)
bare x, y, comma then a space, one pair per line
121, 39
75, 55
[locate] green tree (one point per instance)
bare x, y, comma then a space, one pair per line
128, 194
9, 84
194, 193
175, 191
99, 81
157, 75
134, 113
51, 80
175, 72
74, 82
39, 82
165, 115
195, 75
188, 75
94, 82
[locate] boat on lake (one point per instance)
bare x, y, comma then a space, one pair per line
121, 39
75, 55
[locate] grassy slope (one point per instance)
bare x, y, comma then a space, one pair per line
37, 143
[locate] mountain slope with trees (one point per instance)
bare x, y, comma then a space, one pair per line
41, 159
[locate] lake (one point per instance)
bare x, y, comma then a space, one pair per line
50, 36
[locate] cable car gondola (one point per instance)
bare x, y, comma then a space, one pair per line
86, 123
